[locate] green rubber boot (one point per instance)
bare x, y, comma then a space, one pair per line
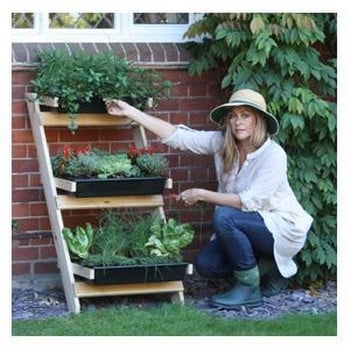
246, 291
273, 282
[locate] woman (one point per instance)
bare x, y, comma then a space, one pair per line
257, 215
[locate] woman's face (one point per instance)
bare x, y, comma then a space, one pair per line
242, 121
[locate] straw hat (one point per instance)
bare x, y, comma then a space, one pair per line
248, 98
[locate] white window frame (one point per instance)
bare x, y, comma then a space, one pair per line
124, 31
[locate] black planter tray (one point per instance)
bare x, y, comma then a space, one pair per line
93, 187
96, 105
129, 274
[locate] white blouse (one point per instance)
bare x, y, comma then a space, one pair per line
262, 185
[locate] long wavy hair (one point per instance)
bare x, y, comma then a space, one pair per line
229, 151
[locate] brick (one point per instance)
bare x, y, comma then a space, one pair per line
45, 267
198, 90
19, 151
22, 77
20, 268
20, 210
115, 135
29, 224
199, 119
158, 52
25, 195
81, 135
38, 209
25, 253
19, 107
47, 252
180, 90
131, 50
179, 118
35, 180
179, 174
169, 104
44, 224
198, 103
173, 160
185, 55
33, 49
89, 48
198, 174
145, 54
72, 46
52, 135
20, 181
19, 52
31, 151
42, 241
172, 75
18, 91
102, 47
119, 49
171, 52
25, 165
22, 136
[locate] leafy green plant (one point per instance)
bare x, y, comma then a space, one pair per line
79, 241
168, 238
152, 164
81, 77
94, 163
129, 239
14, 226
291, 59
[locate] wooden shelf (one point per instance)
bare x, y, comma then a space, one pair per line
70, 202
55, 119
84, 289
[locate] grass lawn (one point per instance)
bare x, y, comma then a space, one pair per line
173, 320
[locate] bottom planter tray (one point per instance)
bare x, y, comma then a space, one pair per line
139, 273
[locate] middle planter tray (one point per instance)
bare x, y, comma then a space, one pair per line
93, 187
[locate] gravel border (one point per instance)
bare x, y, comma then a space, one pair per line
30, 303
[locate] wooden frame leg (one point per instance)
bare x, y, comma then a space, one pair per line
178, 297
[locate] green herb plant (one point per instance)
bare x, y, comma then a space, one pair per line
129, 239
74, 163
80, 77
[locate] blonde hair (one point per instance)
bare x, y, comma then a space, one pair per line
229, 151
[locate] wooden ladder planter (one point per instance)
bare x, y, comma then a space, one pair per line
73, 289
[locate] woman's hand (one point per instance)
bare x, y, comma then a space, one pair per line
159, 127
190, 196
119, 108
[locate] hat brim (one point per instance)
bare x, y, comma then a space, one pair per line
219, 112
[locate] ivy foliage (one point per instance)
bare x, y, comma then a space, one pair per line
291, 59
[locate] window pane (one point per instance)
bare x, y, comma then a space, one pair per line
81, 20
161, 18
22, 20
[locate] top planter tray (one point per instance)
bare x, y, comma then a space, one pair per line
113, 186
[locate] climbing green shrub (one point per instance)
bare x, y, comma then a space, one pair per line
280, 56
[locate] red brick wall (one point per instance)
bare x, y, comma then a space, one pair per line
190, 100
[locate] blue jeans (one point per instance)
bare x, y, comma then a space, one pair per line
241, 238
